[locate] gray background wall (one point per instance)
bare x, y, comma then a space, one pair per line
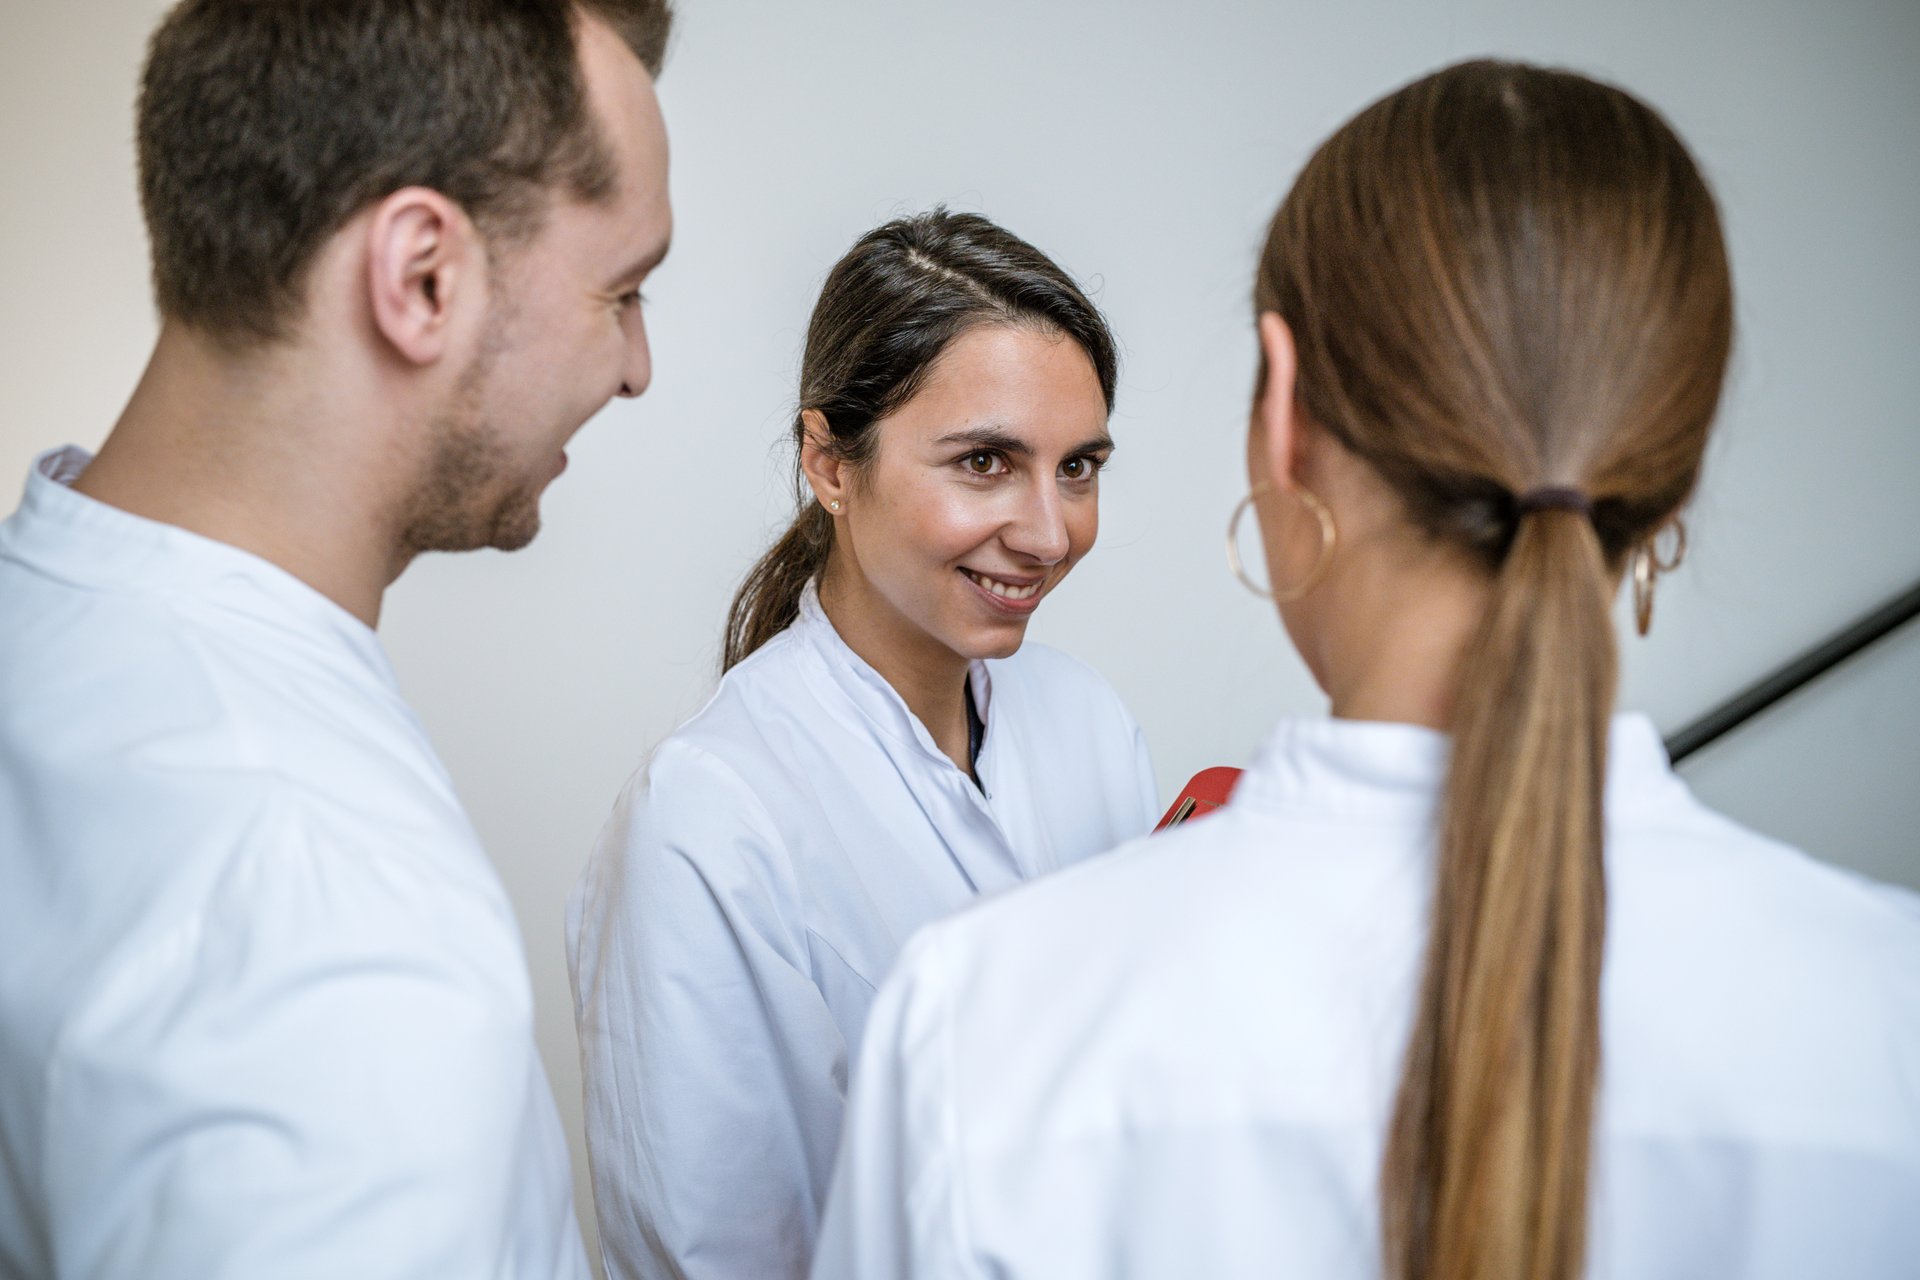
1144, 146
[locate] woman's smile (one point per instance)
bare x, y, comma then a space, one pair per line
1016, 596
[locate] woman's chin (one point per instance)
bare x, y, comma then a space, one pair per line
1002, 640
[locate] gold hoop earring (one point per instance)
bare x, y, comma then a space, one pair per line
1329, 536
1648, 564
1667, 564
1645, 572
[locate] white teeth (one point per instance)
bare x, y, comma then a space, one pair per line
1003, 589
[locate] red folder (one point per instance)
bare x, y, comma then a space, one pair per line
1207, 791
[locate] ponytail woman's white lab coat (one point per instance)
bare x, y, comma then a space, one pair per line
752, 888
1180, 1060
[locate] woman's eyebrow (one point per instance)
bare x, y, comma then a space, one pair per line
987, 436
991, 436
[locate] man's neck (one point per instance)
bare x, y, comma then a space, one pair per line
237, 450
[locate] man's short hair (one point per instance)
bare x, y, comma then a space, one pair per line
264, 125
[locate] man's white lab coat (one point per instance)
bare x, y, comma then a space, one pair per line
263, 1005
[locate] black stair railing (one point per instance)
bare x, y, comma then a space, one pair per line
1809, 666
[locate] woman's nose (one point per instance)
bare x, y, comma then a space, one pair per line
1040, 528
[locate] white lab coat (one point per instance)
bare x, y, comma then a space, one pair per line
1200, 1083
751, 890
263, 1006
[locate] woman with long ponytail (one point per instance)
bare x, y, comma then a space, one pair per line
1463, 984
883, 748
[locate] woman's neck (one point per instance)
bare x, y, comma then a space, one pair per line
1387, 637
929, 677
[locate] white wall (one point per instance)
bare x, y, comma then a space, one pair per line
1144, 147
1835, 766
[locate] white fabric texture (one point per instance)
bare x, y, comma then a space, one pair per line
752, 888
263, 1008
1180, 1060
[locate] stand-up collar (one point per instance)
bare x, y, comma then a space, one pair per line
1350, 769
66, 535
869, 691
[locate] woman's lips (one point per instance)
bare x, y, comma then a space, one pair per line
1016, 598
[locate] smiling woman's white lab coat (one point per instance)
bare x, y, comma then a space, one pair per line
751, 890
1180, 1060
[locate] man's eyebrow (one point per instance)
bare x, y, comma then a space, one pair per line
991, 436
646, 262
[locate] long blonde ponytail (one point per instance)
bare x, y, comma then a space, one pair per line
1486, 1164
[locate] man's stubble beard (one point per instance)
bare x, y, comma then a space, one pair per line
469, 497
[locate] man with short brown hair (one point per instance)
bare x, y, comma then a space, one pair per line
264, 1010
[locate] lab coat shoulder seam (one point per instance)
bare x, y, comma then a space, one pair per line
759, 824
717, 770
242, 728
252, 747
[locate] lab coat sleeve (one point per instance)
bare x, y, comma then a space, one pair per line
715, 1074
1145, 787
329, 1072
897, 1207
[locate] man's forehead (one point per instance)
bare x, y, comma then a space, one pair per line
626, 115
620, 92
636, 223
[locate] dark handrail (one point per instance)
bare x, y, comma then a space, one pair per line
1811, 665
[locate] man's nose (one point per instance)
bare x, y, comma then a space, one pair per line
638, 370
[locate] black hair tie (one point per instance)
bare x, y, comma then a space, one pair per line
1552, 498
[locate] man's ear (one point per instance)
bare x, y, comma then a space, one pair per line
426, 266
1277, 422
820, 464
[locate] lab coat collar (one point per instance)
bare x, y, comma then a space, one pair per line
1355, 769
869, 691
77, 539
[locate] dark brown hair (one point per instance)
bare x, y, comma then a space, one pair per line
888, 310
1502, 278
264, 125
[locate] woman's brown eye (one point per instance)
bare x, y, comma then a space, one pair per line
1075, 468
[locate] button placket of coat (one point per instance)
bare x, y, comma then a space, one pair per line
982, 802
975, 801
970, 824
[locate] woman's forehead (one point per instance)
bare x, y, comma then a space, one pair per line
1006, 386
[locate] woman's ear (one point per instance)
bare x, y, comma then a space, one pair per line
1276, 424
824, 470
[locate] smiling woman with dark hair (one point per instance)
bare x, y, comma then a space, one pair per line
882, 750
